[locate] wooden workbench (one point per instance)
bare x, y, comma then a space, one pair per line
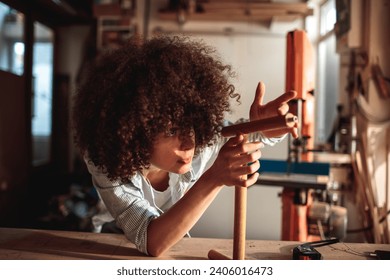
30, 244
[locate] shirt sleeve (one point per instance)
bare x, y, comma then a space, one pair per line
128, 206
258, 136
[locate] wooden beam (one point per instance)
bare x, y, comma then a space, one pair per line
244, 11
291, 8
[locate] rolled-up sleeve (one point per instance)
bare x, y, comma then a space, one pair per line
267, 141
128, 206
258, 136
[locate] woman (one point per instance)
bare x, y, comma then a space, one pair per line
147, 120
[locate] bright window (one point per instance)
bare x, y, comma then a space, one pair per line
43, 88
11, 40
328, 65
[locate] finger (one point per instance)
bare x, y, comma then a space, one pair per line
285, 97
251, 168
251, 158
250, 147
236, 145
281, 131
294, 132
252, 179
283, 109
247, 181
245, 167
234, 141
259, 96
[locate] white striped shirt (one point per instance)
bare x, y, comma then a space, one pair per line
133, 205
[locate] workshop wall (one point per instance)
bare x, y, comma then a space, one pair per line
257, 53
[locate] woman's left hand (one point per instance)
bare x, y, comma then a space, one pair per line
277, 107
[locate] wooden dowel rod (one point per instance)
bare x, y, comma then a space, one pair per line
240, 196
239, 238
277, 122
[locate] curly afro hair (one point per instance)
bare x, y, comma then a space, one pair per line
131, 94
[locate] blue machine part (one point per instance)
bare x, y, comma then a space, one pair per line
283, 166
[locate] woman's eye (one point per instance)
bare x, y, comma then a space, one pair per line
171, 132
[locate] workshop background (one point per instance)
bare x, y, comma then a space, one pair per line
331, 182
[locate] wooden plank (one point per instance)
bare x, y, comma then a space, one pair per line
370, 200
387, 185
67, 245
380, 82
240, 11
361, 198
262, 12
216, 17
233, 1
300, 8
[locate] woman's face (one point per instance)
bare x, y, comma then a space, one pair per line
173, 152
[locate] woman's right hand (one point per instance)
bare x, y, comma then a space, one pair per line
237, 162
